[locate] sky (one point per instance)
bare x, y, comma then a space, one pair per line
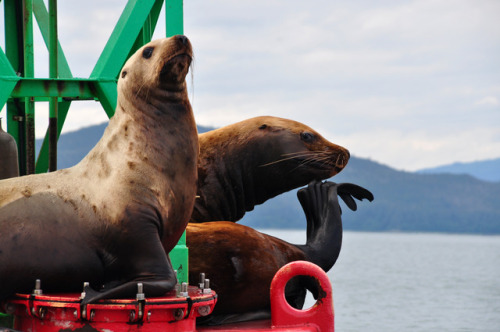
409, 84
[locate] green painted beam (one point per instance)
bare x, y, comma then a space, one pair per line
43, 88
174, 17
42, 18
122, 39
42, 163
8, 79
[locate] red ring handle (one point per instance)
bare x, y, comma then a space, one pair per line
320, 315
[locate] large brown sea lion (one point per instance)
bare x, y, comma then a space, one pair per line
107, 219
249, 162
241, 262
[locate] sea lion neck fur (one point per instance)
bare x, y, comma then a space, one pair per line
150, 107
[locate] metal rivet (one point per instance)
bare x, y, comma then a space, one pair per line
41, 312
204, 310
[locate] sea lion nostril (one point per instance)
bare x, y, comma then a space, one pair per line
182, 39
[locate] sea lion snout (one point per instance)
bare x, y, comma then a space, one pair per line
342, 158
179, 57
183, 39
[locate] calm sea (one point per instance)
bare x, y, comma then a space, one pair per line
414, 282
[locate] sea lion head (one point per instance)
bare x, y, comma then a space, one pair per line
156, 69
249, 162
297, 149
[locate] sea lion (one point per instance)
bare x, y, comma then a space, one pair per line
249, 162
241, 262
107, 219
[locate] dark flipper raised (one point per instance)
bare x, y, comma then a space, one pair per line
320, 203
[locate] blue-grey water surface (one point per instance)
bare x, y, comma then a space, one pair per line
414, 282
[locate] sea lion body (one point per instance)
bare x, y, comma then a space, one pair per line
249, 162
107, 219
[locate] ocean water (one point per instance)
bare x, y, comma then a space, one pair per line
413, 282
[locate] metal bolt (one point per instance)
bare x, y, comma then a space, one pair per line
149, 316
85, 285
204, 310
202, 280
75, 313
178, 314
140, 292
92, 314
206, 288
38, 287
184, 290
132, 315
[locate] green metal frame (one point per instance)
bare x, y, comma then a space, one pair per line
20, 90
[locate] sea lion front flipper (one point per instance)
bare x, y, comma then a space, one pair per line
146, 262
128, 290
347, 191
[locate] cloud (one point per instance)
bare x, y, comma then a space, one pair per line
488, 101
390, 80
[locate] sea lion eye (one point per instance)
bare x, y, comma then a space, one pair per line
306, 137
148, 52
264, 126
124, 73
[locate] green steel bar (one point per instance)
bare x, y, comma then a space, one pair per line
8, 78
42, 18
174, 17
70, 89
29, 71
118, 48
13, 14
53, 73
175, 26
148, 28
120, 43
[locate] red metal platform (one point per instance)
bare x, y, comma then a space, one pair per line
64, 312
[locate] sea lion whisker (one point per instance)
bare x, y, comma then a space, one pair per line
285, 159
299, 153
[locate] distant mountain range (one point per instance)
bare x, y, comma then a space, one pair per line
404, 201
486, 170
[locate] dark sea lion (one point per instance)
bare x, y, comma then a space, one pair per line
249, 162
107, 219
241, 262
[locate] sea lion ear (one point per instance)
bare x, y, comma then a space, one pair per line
264, 126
